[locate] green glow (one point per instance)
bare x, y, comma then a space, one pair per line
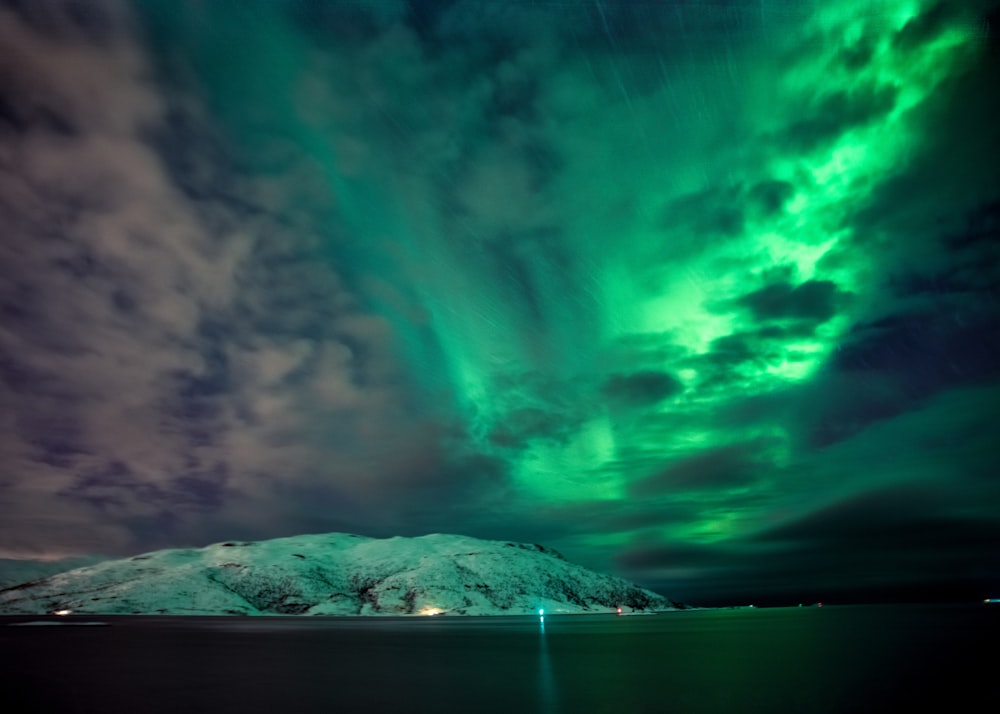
797, 368
840, 167
636, 285
512, 294
552, 471
716, 525
798, 253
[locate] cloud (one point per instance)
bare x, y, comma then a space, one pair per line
523, 425
693, 221
902, 543
925, 351
770, 196
177, 345
901, 517
708, 213
101, 313
814, 301
641, 388
498, 268
927, 25
830, 116
722, 467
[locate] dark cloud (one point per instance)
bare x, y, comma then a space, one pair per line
763, 344
760, 408
730, 358
814, 301
896, 544
707, 213
356, 22
900, 517
641, 388
858, 55
693, 221
897, 538
830, 116
58, 439
770, 196
926, 26
958, 129
982, 228
736, 358
686, 555
926, 351
540, 385
846, 403
722, 467
933, 326
709, 26
70, 20
527, 424
964, 279
733, 349
119, 493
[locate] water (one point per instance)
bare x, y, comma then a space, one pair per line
831, 659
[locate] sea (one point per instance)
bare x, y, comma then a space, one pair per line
885, 658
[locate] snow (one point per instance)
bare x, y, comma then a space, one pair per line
336, 574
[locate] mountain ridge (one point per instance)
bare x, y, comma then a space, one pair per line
335, 574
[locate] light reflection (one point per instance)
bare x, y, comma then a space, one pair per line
547, 695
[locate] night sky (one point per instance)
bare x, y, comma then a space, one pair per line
704, 294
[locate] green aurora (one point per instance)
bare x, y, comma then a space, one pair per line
609, 276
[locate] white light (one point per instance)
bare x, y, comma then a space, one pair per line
541, 611
62, 612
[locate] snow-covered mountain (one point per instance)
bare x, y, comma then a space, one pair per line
335, 574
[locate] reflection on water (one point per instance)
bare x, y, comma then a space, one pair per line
547, 702
785, 660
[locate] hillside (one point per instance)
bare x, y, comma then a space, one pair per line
335, 574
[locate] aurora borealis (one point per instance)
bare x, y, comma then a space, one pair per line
703, 294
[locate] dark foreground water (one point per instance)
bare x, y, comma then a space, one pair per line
830, 659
